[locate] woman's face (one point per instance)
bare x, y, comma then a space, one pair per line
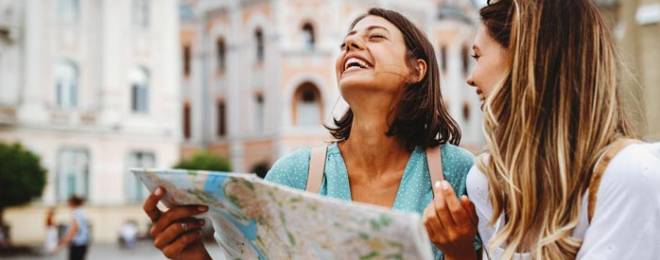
491, 63
373, 57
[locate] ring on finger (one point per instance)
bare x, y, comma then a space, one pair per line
184, 226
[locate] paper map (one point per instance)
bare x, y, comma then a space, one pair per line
256, 219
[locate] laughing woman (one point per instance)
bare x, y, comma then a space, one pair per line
397, 128
561, 179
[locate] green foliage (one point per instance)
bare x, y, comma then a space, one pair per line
22, 178
204, 160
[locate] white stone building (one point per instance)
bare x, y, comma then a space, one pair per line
93, 88
259, 79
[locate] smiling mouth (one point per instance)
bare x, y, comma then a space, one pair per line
354, 64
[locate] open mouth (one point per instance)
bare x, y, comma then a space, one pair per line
355, 63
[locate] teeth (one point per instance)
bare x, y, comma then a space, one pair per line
355, 60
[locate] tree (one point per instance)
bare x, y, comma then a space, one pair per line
22, 177
205, 160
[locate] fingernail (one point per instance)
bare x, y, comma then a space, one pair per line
158, 191
201, 208
437, 184
445, 185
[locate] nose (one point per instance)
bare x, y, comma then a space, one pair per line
354, 42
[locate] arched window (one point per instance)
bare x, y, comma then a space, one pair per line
186, 121
187, 55
72, 173
141, 14
261, 169
66, 84
222, 118
465, 57
68, 11
259, 113
309, 37
466, 111
307, 105
259, 39
443, 57
221, 52
140, 90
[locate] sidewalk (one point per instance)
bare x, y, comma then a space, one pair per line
143, 251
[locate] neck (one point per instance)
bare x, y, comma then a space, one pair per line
369, 149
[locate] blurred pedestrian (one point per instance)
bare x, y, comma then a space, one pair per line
128, 234
77, 235
50, 242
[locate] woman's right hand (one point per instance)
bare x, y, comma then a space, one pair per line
176, 232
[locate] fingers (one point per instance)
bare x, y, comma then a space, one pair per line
175, 230
174, 215
431, 222
456, 210
441, 207
150, 204
174, 249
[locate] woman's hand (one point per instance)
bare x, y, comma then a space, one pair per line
176, 232
451, 223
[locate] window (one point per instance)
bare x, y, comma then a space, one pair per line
141, 14
68, 11
259, 113
72, 176
66, 85
307, 106
134, 189
186, 60
466, 111
222, 119
443, 57
186, 121
308, 36
140, 90
220, 48
259, 38
465, 56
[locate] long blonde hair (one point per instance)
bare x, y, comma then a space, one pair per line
549, 120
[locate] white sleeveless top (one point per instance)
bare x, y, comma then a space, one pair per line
626, 223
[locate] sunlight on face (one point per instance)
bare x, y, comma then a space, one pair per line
491, 63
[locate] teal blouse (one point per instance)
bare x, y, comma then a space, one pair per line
414, 192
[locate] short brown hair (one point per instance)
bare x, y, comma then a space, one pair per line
420, 118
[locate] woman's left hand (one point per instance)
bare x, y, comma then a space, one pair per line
451, 223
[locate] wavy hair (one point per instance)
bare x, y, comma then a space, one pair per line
548, 122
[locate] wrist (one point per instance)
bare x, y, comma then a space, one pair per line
470, 254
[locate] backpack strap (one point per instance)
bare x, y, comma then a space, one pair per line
434, 161
316, 168
599, 169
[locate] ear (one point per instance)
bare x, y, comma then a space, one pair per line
420, 71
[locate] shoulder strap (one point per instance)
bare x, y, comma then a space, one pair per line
316, 168
599, 170
434, 161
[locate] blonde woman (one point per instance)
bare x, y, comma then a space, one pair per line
561, 178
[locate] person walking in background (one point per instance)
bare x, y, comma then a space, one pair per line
77, 236
50, 242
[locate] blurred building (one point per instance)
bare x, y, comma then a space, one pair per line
636, 26
259, 79
93, 88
